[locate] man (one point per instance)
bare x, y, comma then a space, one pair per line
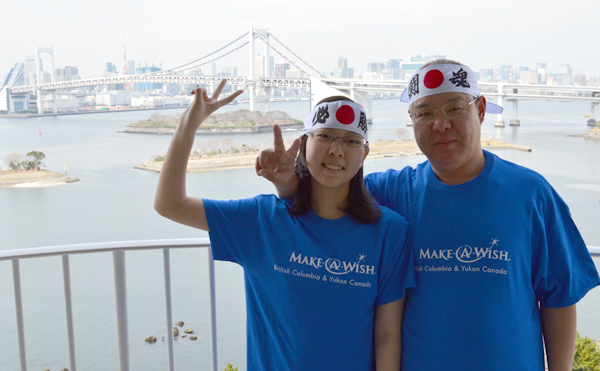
500, 263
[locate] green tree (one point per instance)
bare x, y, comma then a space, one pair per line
587, 354
230, 367
37, 158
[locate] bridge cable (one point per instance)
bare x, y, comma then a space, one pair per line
199, 59
214, 59
284, 57
297, 56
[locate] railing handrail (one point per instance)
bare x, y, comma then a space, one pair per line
87, 248
118, 249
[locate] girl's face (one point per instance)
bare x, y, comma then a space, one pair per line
333, 165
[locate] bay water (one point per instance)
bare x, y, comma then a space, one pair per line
114, 202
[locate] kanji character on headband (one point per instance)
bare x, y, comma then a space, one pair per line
340, 114
444, 78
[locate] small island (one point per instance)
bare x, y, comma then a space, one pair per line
216, 156
235, 122
592, 134
26, 172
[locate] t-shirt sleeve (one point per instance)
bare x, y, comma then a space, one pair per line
375, 184
233, 226
566, 271
398, 263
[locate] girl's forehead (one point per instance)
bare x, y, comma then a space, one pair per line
338, 132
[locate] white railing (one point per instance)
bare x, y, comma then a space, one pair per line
118, 249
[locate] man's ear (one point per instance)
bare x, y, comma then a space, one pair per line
481, 105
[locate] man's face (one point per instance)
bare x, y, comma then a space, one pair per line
451, 145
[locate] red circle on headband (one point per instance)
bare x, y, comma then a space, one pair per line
345, 115
433, 79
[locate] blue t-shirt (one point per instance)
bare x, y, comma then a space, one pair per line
487, 252
312, 284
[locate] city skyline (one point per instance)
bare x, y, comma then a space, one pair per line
524, 36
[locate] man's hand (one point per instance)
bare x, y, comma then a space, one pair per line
277, 165
203, 105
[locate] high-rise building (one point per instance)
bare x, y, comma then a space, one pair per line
565, 69
281, 68
486, 74
394, 68
110, 68
147, 87
410, 68
229, 71
260, 66
130, 67
579, 79
372, 67
342, 71
59, 75
71, 73
29, 68
506, 72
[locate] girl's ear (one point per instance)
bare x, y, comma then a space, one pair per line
366, 153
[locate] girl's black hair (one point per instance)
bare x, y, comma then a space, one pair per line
361, 206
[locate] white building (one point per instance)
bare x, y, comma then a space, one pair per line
294, 74
114, 98
63, 102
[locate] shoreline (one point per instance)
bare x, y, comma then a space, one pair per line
212, 130
379, 149
592, 134
30, 115
33, 179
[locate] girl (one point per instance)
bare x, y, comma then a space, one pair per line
326, 274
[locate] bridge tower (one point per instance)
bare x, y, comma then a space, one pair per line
592, 121
38, 73
254, 81
499, 121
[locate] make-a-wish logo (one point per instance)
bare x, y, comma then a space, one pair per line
335, 266
466, 253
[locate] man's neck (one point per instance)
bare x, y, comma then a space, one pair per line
462, 174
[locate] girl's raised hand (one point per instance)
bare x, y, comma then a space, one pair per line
203, 105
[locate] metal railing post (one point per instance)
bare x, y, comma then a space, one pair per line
69, 311
19, 310
169, 308
121, 303
213, 310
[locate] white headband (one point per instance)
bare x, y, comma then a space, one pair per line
444, 78
341, 114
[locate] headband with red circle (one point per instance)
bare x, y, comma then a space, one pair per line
340, 114
444, 78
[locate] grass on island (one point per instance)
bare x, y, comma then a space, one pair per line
222, 155
234, 119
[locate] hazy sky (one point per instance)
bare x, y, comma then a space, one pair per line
481, 34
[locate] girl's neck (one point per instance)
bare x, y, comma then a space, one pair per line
329, 203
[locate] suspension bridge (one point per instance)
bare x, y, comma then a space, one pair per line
319, 84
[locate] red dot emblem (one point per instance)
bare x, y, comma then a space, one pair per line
345, 115
433, 79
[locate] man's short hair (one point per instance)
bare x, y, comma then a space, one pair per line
440, 61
